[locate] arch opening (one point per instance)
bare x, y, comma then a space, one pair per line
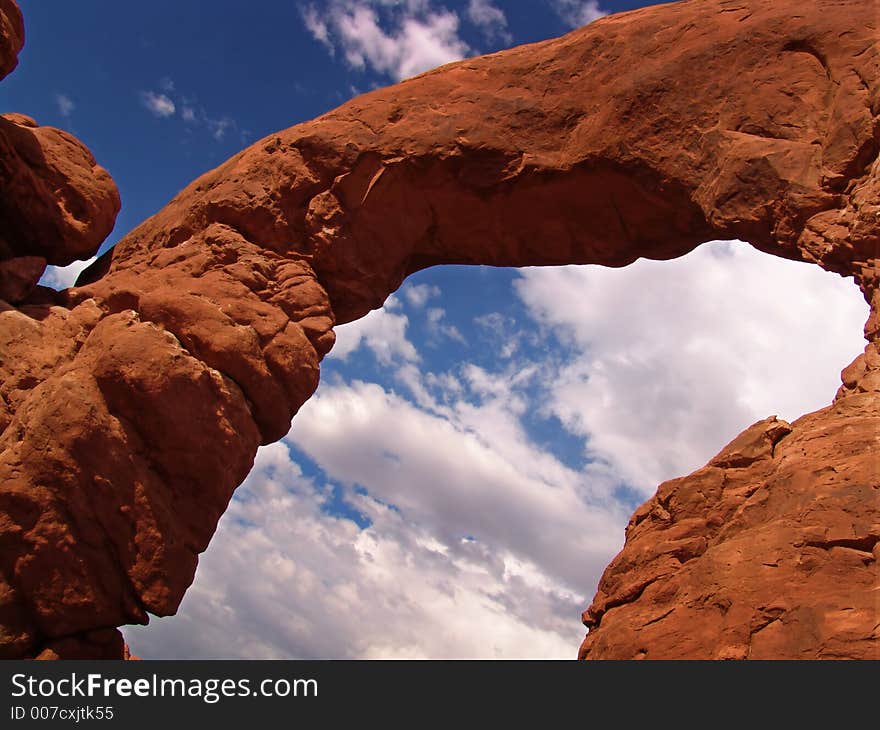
465, 470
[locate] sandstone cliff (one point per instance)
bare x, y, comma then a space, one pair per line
132, 404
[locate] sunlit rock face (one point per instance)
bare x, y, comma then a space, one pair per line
133, 404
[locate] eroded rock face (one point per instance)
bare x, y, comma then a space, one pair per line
11, 36
55, 200
769, 551
133, 404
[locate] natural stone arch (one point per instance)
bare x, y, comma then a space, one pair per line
199, 335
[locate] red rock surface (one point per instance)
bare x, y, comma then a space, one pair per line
55, 200
133, 404
19, 277
769, 551
11, 36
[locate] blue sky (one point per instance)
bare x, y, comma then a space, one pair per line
468, 464
244, 70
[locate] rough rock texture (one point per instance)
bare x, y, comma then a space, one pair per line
132, 404
768, 551
55, 200
11, 36
97, 644
19, 277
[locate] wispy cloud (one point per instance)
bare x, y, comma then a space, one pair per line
170, 102
437, 324
219, 127
317, 26
158, 105
395, 39
577, 12
490, 19
65, 105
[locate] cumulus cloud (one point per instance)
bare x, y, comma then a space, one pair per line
158, 105
577, 12
65, 105
285, 579
469, 470
490, 19
64, 277
382, 331
398, 39
675, 358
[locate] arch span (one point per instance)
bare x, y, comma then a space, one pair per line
199, 336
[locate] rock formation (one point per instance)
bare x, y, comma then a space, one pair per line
132, 404
11, 36
768, 551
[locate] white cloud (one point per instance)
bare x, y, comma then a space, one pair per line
438, 326
501, 332
317, 27
470, 471
65, 105
64, 277
285, 579
578, 12
383, 331
397, 39
418, 294
219, 127
497, 385
164, 106
675, 358
157, 104
490, 19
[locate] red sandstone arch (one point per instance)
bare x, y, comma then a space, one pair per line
134, 403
